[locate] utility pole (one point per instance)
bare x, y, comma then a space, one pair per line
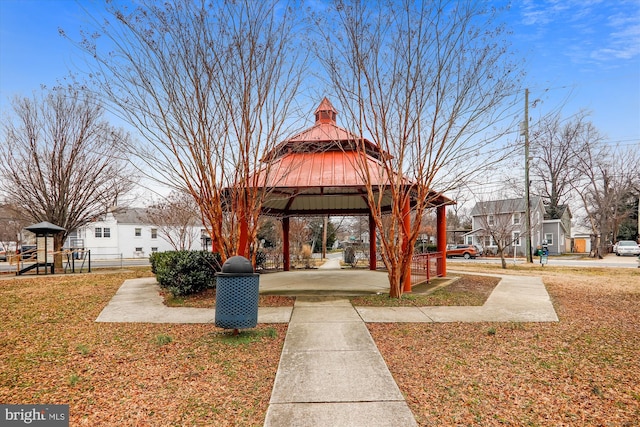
525, 130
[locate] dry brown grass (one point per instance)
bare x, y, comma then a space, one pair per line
128, 374
460, 290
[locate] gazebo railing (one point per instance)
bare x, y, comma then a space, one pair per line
426, 266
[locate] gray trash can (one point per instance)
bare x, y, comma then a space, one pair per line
349, 255
237, 291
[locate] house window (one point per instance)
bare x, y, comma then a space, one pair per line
154, 233
98, 232
549, 238
516, 218
138, 249
516, 238
138, 232
154, 250
106, 232
491, 220
469, 240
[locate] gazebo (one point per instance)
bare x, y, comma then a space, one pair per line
318, 172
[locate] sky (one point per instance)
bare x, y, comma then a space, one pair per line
578, 55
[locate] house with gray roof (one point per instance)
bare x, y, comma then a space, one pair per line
129, 233
505, 220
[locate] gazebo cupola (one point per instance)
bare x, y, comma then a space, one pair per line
323, 137
325, 113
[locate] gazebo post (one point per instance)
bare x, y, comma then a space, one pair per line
372, 243
285, 243
406, 229
441, 243
244, 237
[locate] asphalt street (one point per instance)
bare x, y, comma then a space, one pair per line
609, 261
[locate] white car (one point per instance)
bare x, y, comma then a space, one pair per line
627, 247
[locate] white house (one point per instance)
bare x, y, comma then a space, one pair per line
127, 233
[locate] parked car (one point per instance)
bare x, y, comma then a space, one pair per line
465, 251
627, 247
3, 254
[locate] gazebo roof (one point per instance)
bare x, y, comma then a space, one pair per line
321, 171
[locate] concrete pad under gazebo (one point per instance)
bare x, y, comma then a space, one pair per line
319, 171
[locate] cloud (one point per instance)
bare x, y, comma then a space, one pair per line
585, 31
623, 39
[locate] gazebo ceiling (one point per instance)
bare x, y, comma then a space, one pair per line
319, 171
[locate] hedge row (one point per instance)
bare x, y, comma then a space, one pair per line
185, 272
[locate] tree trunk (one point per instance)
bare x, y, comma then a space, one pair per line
58, 241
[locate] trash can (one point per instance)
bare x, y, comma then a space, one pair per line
237, 291
349, 255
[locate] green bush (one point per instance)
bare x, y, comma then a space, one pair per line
185, 272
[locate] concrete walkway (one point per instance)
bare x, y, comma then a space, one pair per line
330, 371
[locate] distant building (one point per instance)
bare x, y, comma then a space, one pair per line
581, 240
505, 218
508, 217
557, 229
127, 233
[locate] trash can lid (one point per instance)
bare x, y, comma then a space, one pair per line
237, 264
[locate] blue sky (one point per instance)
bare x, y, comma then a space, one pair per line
579, 54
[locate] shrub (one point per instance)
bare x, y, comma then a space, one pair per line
185, 272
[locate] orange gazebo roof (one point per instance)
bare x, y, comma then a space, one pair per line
321, 171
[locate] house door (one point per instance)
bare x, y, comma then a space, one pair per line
581, 245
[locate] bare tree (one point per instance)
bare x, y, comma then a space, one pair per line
211, 87
63, 163
428, 82
607, 179
177, 219
553, 144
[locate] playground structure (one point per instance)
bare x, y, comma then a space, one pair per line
42, 256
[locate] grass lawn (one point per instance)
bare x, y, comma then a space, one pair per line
128, 374
580, 371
